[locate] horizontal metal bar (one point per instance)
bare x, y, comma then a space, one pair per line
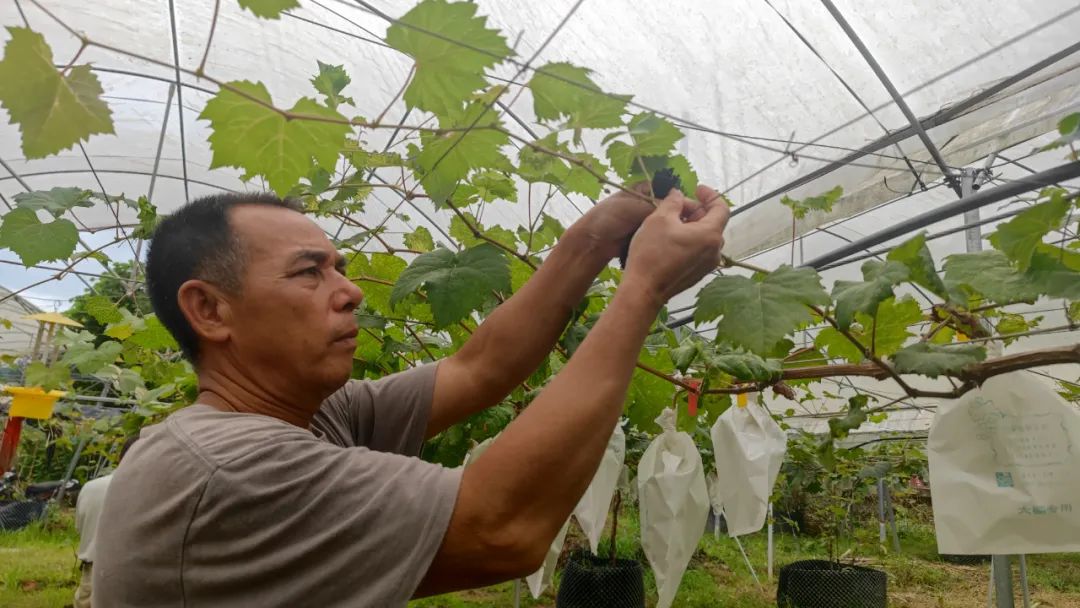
984, 197
934, 120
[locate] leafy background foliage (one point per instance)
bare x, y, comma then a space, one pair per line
425, 298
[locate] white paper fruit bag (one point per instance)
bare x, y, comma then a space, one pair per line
749, 448
1005, 469
592, 510
539, 580
674, 505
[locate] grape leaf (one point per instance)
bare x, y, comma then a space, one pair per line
382, 267
47, 377
584, 106
447, 158
148, 219
53, 111
57, 201
1018, 237
35, 242
934, 360
544, 235
420, 240
493, 185
455, 283
914, 254
893, 319
268, 9
538, 165
989, 273
688, 178
864, 297
330, 81
452, 48
252, 136
648, 394
462, 233
154, 336
102, 309
839, 427
652, 136
744, 367
1069, 128
1052, 277
757, 312
89, 359
821, 202
837, 345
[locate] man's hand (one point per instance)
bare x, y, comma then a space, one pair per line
611, 223
678, 243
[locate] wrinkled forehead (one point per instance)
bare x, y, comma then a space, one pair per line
272, 235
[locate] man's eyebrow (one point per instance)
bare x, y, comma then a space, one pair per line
339, 263
310, 255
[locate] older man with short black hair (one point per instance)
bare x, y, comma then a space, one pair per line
286, 484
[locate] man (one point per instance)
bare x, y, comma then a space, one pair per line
87, 513
287, 485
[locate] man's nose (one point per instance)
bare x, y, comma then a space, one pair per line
350, 295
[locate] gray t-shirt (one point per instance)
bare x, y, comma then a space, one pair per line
223, 509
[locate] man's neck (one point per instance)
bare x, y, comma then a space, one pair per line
228, 389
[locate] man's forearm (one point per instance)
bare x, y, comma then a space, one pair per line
512, 342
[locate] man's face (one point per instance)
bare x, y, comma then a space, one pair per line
293, 323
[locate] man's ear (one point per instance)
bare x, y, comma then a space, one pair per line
207, 310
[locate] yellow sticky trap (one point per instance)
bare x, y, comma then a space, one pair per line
32, 402
741, 400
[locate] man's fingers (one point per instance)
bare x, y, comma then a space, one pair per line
672, 204
716, 209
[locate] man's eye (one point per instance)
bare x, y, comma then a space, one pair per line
312, 271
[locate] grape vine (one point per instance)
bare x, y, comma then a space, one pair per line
426, 292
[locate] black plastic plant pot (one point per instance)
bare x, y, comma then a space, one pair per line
594, 582
816, 583
965, 560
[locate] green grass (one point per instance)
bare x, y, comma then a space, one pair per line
38, 570
38, 567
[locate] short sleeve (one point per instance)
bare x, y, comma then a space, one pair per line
307, 523
387, 415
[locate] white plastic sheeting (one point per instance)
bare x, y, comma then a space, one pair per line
1003, 468
733, 68
674, 503
749, 447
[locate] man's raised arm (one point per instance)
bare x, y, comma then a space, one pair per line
516, 496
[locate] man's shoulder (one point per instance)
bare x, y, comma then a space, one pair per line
219, 438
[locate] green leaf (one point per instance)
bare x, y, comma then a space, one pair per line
53, 111
383, 267
837, 345
268, 9
544, 235
758, 312
1052, 277
252, 136
914, 254
35, 242
990, 274
583, 104
893, 319
148, 219
821, 202
452, 48
934, 360
541, 166
89, 359
447, 158
420, 240
1011, 323
492, 186
154, 336
683, 356
456, 284
688, 178
47, 377
648, 395
520, 273
1018, 237
102, 309
57, 201
1069, 128
652, 136
330, 81
852, 420
745, 367
852, 296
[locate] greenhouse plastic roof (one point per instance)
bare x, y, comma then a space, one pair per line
768, 92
